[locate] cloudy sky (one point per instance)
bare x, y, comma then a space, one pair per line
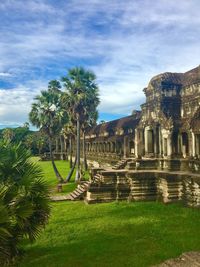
124, 42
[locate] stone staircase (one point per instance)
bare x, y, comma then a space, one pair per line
96, 178
120, 164
108, 186
80, 192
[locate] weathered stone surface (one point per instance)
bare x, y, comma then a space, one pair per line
189, 259
144, 185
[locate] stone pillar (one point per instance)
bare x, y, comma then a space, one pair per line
149, 141
146, 141
125, 146
137, 152
169, 145
180, 144
185, 144
190, 144
193, 148
156, 141
160, 143
197, 145
139, 143
193, 144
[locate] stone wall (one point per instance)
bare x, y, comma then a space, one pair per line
145, 185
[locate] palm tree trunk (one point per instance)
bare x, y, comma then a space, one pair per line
57, 149
84, 153
71, 171
58, 176
61, 147
77, 177
70, 152
65, 149
39, 151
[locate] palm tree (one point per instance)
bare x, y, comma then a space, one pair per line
90, 120
69, 133
48, 115
29, 141
81, 88
8, 134
40, 142
24, 200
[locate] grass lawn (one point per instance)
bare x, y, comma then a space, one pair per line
49, 175
114, 234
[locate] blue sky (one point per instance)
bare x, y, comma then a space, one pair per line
124, 42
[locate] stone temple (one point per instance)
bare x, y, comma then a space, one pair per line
157, 148
155, 151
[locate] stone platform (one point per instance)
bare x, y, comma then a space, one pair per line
145, 185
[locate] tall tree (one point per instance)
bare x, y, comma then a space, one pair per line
91, 116
81, 91
48, 115
8, 134
69, 133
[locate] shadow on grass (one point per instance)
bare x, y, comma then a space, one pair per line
134, 234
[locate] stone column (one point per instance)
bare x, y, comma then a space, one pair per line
137, 152
125, 146
193, 144
169, 145
146, 141
179, 144
149, 141
160, 144
139, 143
197, 145
156, 141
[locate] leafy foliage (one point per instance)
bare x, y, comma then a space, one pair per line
24, 200
47, 113
82, 97
33, 140
49, 116
81, 100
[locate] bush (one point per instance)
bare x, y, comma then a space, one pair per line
24, 200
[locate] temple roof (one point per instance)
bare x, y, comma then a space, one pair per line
191, 76
124, 123
183, 79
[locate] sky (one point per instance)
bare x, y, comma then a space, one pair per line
125, 43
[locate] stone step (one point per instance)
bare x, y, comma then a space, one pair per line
82, 188
80, 191
74, 195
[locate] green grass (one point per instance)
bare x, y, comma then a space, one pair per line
114, 234
49, 175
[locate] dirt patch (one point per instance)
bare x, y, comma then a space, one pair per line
188, 259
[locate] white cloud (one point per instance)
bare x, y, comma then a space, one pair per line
15, 104
125, 43
5, 74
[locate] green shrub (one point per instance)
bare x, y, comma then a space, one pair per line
24, 200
